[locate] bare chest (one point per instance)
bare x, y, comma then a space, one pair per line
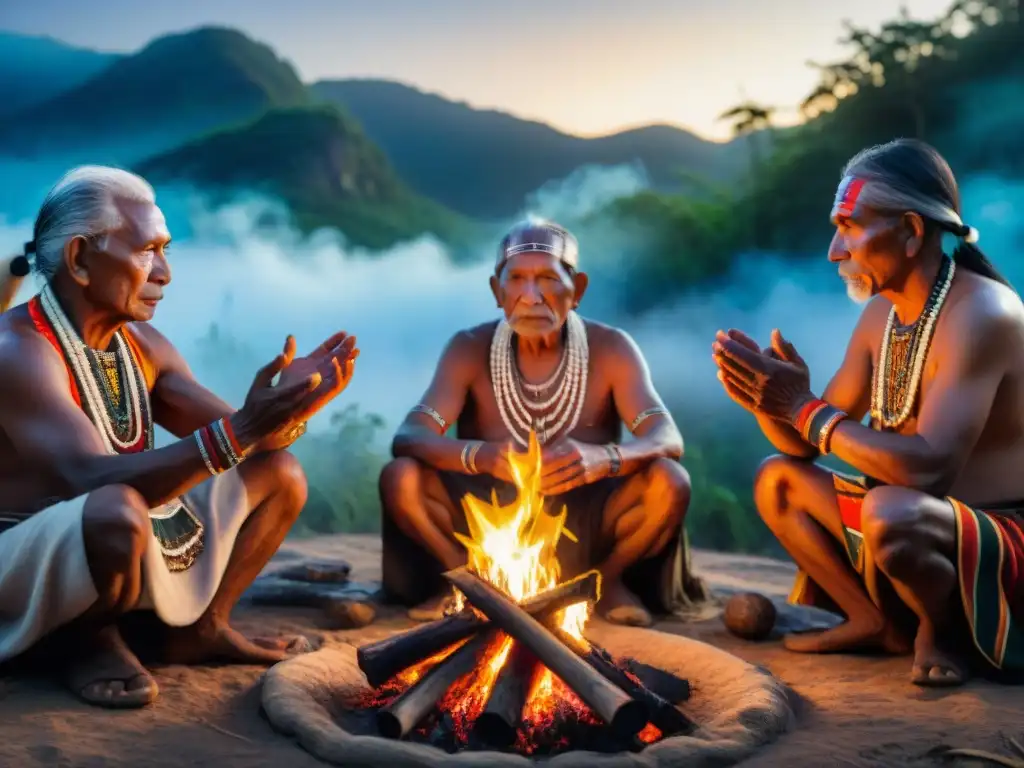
491, 413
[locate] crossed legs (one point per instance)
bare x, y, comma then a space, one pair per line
640, 519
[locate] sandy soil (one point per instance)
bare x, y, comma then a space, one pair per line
858, 711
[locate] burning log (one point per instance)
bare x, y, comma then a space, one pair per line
403, 714
499, 722
625, 715
384, 659
671, 688
663, 715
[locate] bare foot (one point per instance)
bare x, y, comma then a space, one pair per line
433, 608
850, 636
220, 643
620, 606
107, 674
933, 667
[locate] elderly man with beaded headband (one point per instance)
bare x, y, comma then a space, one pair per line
572, 381
923, 548
95, 522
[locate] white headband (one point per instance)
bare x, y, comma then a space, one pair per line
557, 242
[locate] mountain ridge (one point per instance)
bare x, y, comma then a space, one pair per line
486, 143
39, 67
318, 161
177, 86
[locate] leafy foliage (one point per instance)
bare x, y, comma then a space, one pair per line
342, 467
906, 79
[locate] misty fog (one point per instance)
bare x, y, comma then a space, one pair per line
242, 268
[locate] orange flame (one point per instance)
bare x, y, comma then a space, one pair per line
513, 548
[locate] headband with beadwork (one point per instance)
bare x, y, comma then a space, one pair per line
855, 193
539, 237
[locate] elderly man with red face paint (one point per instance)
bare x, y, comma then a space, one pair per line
574, 382
926, 539
97, 526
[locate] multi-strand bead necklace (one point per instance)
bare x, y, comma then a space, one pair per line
118, 405
551, 408
902, 356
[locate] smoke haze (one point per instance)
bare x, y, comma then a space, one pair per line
243, 279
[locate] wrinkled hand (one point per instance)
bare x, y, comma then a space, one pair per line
274, 415
492, 459
774, 382
568, 464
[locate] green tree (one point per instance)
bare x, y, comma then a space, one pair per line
753, 122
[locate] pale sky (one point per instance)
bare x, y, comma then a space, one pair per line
588, 67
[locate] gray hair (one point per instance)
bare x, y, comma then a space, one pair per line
910, 175
84, 203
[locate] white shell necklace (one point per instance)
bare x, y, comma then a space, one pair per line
519, 403
138, 397
882, 411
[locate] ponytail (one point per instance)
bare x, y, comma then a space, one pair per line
969, 256
12, 274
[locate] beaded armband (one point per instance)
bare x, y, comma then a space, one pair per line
219, 447
428, 411
468, 456
816, 422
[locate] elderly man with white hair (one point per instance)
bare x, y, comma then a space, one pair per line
96, 523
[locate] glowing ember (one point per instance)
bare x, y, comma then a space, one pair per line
513, 548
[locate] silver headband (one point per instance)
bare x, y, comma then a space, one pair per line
540, 238
856, 192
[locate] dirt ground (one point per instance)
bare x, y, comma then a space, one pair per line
857, 711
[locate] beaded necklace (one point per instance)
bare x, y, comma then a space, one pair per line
112, 391
523, 406
902, 356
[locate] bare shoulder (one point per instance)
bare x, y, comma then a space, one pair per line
985, 314
611, 343
470, 343
467, 352
28, 360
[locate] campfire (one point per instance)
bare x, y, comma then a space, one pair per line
509, 666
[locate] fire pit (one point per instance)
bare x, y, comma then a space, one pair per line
525, 679
510, 672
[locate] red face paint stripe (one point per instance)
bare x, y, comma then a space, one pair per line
848, 201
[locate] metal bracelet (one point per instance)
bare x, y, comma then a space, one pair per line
645, 415
616, 458
471, 457
428, 411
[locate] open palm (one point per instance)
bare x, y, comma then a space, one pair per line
334, 359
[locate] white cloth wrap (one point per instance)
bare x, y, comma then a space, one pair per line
45, 581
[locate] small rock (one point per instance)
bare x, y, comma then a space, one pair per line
350, 614
749, 615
